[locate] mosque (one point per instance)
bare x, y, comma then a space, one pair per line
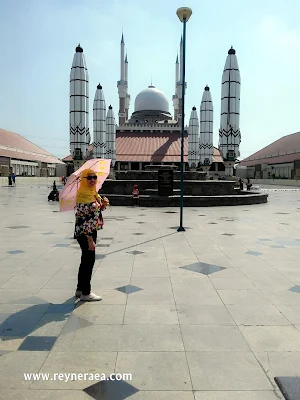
151, 135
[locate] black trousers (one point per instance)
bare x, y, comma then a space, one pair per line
86, 265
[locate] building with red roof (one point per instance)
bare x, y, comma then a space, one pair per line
138, 147
280, 159
19, 155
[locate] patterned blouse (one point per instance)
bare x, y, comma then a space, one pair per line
88, 218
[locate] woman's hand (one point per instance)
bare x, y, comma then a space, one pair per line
105, 201
92, 245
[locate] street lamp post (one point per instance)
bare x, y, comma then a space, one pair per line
183, 14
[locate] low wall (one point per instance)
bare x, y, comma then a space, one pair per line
153, 175
277, 182
194, 188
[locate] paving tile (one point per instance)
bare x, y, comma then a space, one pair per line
238, 395
111, 390
199, 297
203, 268
15, 364
163, 297
10, 343
191, 314
30, 300
272, 338
243, 297
295, 289
101, 313
18, 227
15, 251
50, 325
151, 271
156, 370
19, 325
66, 361
57, 296
292, 313
256, 315
25, 394
282, 297
29, 283
150, 314
279, 363
226, 371
128, 289
187, 283
254, 253
60, 308
154, 283
213, 338
38, 343
232, 283
151, 338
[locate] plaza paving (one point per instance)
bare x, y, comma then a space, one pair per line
209, 314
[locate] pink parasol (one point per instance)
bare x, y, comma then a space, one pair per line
67, 196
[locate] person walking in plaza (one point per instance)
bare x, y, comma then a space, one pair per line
89, 207
248, 184
9, 179
135, 195
241, 182
13, 177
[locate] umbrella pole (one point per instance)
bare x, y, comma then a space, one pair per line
78, 164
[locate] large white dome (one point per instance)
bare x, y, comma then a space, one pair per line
151, 99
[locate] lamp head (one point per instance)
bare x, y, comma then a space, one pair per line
184, 13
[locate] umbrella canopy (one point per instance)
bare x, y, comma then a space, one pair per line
67, 196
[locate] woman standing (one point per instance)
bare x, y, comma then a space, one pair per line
88, 221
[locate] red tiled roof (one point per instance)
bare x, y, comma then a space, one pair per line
152, 147
15, 146
283, 150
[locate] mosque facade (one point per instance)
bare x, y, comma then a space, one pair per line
152, 133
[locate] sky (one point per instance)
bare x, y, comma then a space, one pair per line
38, 40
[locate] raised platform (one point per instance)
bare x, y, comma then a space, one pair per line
191, 187
190, 201
198, 192
152, 175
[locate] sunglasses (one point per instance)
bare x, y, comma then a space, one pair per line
89, 178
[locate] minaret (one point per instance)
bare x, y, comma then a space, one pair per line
206, 147
111, 136
127, 100
175, 97
181, 59
79, 106
229, 133
193, 135
122, 86
99, 119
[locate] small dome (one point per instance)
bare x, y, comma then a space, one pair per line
194, 108
231, 50
206, 88
79, 49
99, 86
151, 99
